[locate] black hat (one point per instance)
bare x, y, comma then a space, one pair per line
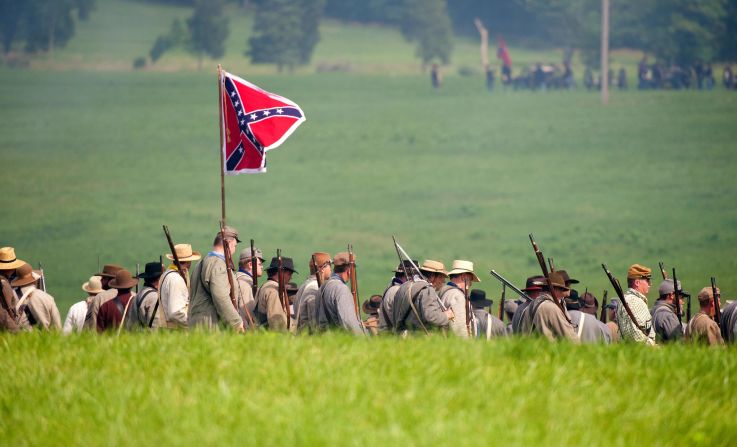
287, 264
478, 299
153, 270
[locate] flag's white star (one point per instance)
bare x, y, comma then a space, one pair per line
267, 113
253, 116
232, 94
240, 112
237, 103
243, 122
279, 111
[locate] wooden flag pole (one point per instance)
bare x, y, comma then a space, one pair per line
221, 130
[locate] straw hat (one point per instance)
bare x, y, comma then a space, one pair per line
184, 253
8, 261
461, 266
24, 276
94, 285
430, 266
123, 280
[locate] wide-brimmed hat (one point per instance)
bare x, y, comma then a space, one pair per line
8, 261
567, 277
24, 275
123, 280
287, 264
152, 270
321, 258
372, 305
109, 270
184, 253
589, 301
342, 258
246, 256
461, 266
534, 283
230, 232
430, 266
478, 298
94, 285
637, 271
557, 281
405, 265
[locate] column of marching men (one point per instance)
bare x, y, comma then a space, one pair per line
420, 298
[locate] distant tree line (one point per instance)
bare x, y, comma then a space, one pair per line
40, 25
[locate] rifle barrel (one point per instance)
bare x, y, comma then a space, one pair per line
717, 305
505, 282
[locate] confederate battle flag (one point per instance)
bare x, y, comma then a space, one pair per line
252, 122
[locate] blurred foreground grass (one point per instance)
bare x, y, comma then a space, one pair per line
268, 389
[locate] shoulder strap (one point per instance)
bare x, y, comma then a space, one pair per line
581, 321
119, 305
140, 299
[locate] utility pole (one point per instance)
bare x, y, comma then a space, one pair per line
604, 52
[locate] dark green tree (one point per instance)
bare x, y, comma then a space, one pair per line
175, 37
285, 32
427, 23
208, 29
49, 24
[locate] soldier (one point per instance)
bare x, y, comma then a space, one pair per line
386, 323
588, 328
510, 307
417, 304
547, 318
8, 309
108, 293
174, 290
74, 321
335, 307
111, 312
611, 323
521, 321
729, 322
702, 329
142, 307
667, 325
269, 311
589, 304
36, 308
639, 279
305, 307
244, 276
487, 326
371, 308
209, 296
453, 295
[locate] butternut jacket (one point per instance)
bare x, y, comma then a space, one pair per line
209, 296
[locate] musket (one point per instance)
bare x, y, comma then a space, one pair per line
418, 274
546, 274
717, 307
42, 280
282, 287
354, 280
506, 283
156, 306
551, 264
688, 308
469, 308
602, 316
318, 271
174, 254
254, 271
501, 302
138, 273
677, 297
623, 303
662, 270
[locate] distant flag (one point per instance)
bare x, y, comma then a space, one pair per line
253, 121
502, 52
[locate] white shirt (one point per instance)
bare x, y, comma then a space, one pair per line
75, 318
174, 298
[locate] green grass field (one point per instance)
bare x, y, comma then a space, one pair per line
176, 389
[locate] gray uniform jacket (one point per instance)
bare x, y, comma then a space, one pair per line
305, 310
489, 326
427, 305
521, 322
549, 321
209, 296
335, 307
141, 308
43, 310
246, 300
729, 322
386, 312
665, 322
454, 298
589, 329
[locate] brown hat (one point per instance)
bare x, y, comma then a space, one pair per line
123, 280
342, 258
94, 285
24, 276
184, 253
534, 283
321, 258
8, 261
372, 305
706, 294
230, 232
558, 281
567, 277
637, 271
109, 270
430, 266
